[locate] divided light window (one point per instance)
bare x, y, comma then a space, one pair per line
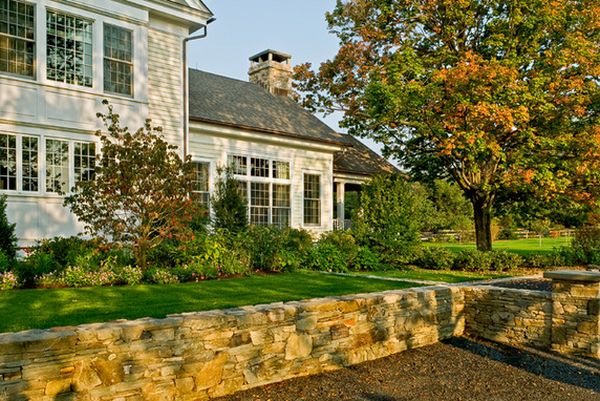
30, 157
57, 166
85, 161
69, 49
118, 60
8, 162
200, 184
312, 199
265, 185
17, 37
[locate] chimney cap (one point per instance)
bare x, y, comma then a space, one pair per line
278, 56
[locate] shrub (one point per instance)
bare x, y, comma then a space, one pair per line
505, 261
78, 276
326, 257
391, 215
160, 276
8, 281
128, 275
228, 204
8, 239
34, 266
586, 245
5, 262
472, 260
344, 241
366, 259
435, 258
65, 251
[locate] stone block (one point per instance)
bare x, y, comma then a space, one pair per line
211, 372
298, 346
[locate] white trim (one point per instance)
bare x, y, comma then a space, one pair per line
320, 174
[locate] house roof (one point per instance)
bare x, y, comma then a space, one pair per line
227, 101
358, 158
231, 102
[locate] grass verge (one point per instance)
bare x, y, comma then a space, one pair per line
524, 247
447, 276
45, 308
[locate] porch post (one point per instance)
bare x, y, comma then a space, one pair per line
340, 187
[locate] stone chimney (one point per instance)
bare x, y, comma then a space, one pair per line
273, 71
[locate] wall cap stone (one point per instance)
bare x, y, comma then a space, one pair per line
573, 275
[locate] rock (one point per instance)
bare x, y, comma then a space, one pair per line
298, 346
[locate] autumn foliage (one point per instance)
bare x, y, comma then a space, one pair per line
496, 95
141, 191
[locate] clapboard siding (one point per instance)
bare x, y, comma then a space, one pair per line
215, 148
165, 81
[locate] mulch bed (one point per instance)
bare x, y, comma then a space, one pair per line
457, 369
539, 284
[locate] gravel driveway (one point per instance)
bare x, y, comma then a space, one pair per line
458, 369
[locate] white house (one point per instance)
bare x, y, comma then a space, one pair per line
60, 58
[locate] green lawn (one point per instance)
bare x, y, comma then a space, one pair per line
522, 247
27, 309
447, 276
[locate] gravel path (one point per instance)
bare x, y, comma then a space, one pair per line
458, 369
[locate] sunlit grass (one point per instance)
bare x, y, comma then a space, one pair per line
44, 308
530, 246
447, 276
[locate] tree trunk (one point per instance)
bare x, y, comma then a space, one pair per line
482, 210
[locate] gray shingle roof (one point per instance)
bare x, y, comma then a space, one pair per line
358, 158
222, 100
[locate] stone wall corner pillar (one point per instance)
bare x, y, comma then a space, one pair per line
575, 312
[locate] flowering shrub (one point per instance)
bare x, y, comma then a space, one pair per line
160, 276
8, 281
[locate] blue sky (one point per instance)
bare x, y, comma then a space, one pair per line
246, 27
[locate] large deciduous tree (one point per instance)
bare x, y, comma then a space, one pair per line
493, 94
140, 194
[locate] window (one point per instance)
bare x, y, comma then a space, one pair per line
281, 170
69, 49
85, 161
8, 162
281, 205
312, 199
118, 60
259, 203
57, 165
200, 184
266, 187
17, 37
29, 157
239, 164
259, 167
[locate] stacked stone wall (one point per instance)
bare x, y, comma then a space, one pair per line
510, 316
202, 355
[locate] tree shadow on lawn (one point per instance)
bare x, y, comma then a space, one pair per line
582, 372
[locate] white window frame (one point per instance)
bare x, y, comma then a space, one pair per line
248, 179
210, 178
42, 190
320, 175
35, 41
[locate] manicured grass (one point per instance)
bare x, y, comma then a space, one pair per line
28, 309
447, 276
523, 247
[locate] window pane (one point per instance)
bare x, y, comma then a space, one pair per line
57, 166
259, 167
85, 161
239, 164
17, 41
8, 162
69, 49
281, 170
118, 56
312, 199
30, 155
200, 184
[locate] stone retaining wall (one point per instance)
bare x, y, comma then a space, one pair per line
510, 316
201, 355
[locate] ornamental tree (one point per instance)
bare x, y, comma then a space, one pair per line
492, 94
140, 194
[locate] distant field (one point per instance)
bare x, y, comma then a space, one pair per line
529, 246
